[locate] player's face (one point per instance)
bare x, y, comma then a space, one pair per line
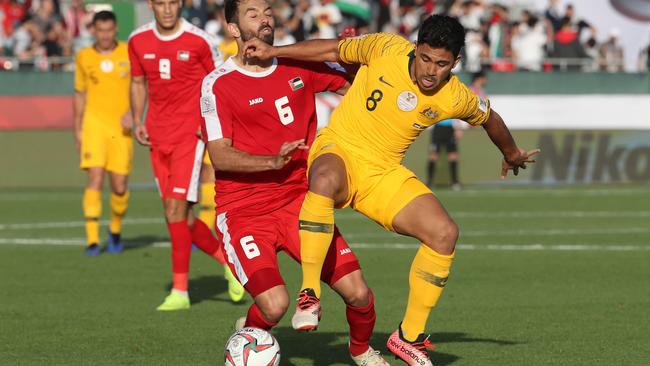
432, 66
256, 20
166, 12
105, 32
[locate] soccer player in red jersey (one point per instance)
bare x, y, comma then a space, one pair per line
257, 139
169, 58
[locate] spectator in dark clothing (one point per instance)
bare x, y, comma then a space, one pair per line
567, 45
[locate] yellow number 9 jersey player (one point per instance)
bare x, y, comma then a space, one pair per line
103, 127
400, 90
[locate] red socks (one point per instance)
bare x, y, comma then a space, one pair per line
362, 323
181, 239
204, 239
255, 319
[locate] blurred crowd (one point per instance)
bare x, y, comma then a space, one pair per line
498, 38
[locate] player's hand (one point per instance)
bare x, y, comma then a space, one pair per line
77, 138
127, 121
258, 49
517, 161
286, 152
141, 134
348, 32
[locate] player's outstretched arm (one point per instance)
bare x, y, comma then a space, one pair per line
513, 157
318, 50
138, 100
227, 158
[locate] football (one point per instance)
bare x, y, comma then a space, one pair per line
252, 347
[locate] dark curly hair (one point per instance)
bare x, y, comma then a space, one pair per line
231, 7
442, 31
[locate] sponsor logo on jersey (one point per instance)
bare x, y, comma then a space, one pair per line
418, 126
407, 101
429, 113
296, 83
382, 80
149, 56
255, 101
179, 190
106, 66
345, 251
183, 55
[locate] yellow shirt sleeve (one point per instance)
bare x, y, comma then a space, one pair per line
363, 49
469, 107
79, 74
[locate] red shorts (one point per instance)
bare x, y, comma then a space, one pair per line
251, 244
177, 168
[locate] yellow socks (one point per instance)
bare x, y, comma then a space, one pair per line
427, 279
207, 204
316, 230
92, 207
119, 204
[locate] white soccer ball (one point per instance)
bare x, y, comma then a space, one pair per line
252, 347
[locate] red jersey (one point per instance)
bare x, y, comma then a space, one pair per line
174, 66
268, 109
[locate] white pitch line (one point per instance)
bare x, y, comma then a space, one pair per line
70, 224
391, 246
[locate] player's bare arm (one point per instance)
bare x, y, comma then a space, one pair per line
513, 157
225, 157
79, 106
318, 50
138, 100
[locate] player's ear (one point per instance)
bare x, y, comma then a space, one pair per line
456, 61
234, 30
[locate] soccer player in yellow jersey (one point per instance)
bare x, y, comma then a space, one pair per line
400, 90
103, 128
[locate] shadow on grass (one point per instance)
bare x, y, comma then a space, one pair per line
212, 288
327, 348
142, 241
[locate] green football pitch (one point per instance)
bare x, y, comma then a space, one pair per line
543, 276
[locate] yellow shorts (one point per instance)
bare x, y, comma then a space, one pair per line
376, 191
108, 148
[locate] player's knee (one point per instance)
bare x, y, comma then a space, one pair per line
359, 296
174, 212
119, 191
325, 182
274, 310
442, 237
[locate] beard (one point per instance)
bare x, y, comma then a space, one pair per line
248, 35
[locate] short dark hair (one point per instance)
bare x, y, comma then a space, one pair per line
478, 75
104, 15
442, 31
231, 7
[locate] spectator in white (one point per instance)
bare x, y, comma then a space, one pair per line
611, 53
528, 41
643, 63
282, 37
593, 52
476, 51
469, 13
327, 16
77, 21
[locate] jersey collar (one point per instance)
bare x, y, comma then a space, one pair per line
254, 74
170, 37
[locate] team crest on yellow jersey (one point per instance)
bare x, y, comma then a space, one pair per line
106, 66
429, 113
407, 101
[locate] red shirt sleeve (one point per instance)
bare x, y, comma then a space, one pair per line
327, 76
217, 117
136, 66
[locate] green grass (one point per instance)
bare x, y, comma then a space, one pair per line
564, 293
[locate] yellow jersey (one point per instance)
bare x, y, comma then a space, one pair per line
105, 78
384, 111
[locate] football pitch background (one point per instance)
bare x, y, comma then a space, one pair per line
544, 275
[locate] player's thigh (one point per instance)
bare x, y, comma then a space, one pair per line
250, 246
386, 192
93, 151
159, 157
425, 219
119, 152
331, 171
185, 169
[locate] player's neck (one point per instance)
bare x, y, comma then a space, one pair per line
251, 65
169, 31
104, 51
